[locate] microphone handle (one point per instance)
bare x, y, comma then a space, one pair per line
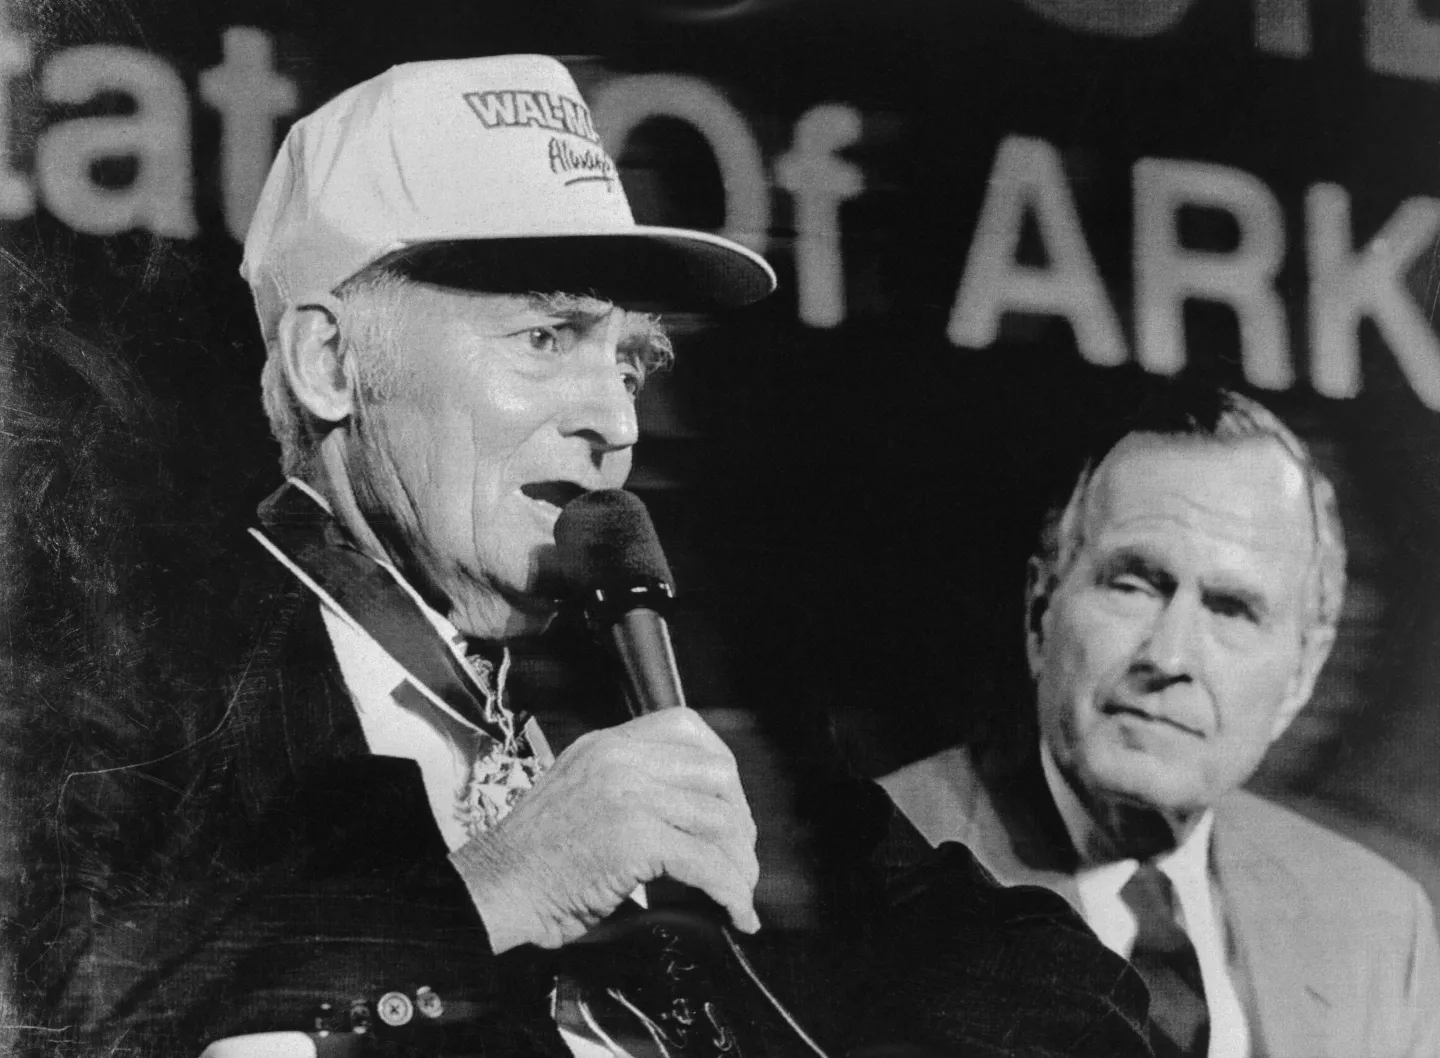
641, 640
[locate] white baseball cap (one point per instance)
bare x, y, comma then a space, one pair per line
497, 157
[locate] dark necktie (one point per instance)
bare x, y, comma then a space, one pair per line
1179, 1019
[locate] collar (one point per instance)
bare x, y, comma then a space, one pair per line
438, 621
313, 493
372, 599
1186, 865
495, 656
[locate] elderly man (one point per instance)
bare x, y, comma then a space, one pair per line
381, 851
1180, 607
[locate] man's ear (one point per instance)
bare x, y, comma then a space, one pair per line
1039, 584
315, 367
1314, 650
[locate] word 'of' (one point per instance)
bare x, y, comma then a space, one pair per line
1027, 180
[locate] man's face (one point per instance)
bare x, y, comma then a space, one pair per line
1172, 652
504, 408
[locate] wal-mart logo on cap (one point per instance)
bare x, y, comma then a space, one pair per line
393, 164
516, 108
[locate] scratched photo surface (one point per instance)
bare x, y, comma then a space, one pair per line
996, 226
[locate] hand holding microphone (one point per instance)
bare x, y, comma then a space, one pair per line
656, 797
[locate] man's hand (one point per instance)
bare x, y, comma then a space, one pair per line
659, 795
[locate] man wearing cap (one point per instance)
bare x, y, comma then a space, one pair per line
390, 853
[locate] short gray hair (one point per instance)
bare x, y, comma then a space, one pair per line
1225, 417
370, 302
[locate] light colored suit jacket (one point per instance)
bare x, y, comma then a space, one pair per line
1337, 951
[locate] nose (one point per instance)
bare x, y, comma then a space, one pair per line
600, 409
1166, 653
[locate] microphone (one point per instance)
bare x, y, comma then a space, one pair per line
612, 560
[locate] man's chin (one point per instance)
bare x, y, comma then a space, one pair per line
1142, 781
503, 612
525, 624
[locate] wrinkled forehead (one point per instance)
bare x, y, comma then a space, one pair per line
1248, 498
488, 305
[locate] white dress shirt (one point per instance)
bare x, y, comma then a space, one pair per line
1188, 868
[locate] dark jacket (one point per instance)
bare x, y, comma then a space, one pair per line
308, 882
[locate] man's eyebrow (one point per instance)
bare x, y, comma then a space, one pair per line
576, 311
1131, 561
580, 318
640, 341
1254, 598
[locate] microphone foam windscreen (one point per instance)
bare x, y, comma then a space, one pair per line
606, 536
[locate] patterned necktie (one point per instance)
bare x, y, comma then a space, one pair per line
1179, 1018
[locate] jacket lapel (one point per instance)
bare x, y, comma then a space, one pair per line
1290, 982
1293, 989
290, 708
1016, 792
1003, 813
299, 532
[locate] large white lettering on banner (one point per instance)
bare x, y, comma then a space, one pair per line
1027, 183
1027, 179
1345, 286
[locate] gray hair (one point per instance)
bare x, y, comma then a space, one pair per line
370, 304
1225, 417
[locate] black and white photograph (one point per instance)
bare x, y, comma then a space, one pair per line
719, 529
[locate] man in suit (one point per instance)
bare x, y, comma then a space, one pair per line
1179, 608
379, 851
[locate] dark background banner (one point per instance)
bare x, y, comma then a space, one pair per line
995, 224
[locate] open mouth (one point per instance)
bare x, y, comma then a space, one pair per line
555, 493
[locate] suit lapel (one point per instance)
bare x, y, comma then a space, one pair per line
1279, 943
1003, 812
1294, 991
299, 532
1017, 794
290, 706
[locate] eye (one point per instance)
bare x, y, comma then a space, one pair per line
1231, 607
543, 339
632, 378
1129, 584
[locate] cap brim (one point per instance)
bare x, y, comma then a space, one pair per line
674, 267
